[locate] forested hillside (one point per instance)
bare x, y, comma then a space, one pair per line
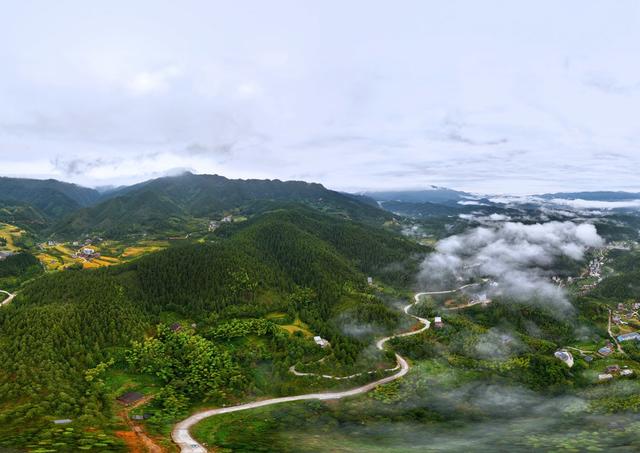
18, 268
304, 264
187, 202
50, 198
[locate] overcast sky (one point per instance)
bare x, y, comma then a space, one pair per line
486, 96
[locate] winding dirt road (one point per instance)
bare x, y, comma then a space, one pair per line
182, 437
8, 299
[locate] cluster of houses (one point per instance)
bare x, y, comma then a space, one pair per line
614, 370
624, 312
87, 241
622, 245
88, 253
594, 269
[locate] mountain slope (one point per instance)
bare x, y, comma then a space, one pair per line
593, 196
175, 203
53, 198
36, 204
432, 195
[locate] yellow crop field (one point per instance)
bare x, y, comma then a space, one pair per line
138, 250
105, 261
50, 262
90, 265
110, 260
64, 249
10, 233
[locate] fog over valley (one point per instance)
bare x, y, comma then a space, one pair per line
297, 227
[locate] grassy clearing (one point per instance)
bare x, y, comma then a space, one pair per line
298, 326
119, 381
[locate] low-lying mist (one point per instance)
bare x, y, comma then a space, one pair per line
515, 255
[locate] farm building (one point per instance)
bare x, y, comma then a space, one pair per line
629, 336
130, 397
62, 421
605, 350
564, 356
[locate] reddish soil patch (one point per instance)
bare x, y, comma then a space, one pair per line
133, 442
137, 440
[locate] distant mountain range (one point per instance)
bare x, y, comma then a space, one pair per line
432, 195
593, 196
179, 204
170, 204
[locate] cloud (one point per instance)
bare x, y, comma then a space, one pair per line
596, 204
458, 137
515, 255
497, 344
408, 99
79, 166
152, 82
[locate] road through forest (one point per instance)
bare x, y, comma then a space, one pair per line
181, 432
8, 299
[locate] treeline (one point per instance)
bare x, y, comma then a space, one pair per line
18, 265
57, 328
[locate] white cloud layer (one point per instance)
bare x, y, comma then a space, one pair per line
513, 254
484, 96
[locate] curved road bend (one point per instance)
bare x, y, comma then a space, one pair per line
182, 437
8, 299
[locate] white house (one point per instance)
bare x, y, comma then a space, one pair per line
565, 356
62, 421
321, 341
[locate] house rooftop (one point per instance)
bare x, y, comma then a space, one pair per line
605, 350
629, 336
130, 397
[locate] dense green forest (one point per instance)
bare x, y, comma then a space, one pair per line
187, 202
307, 265
18, 268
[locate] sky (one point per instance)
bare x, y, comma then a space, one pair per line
484, 96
